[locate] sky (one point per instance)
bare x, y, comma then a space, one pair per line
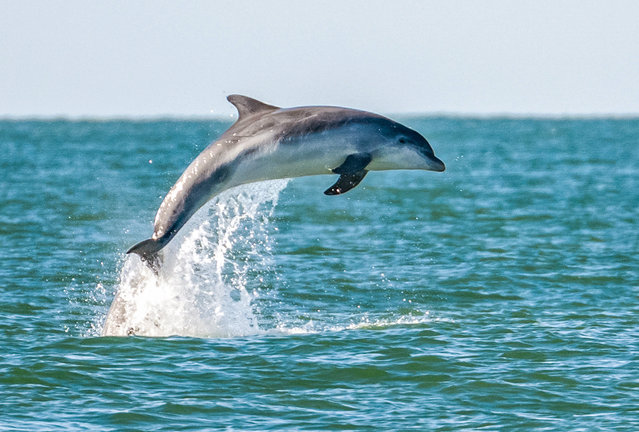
182, 58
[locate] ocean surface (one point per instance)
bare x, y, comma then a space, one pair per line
502, 294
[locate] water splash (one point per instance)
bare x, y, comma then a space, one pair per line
203, 288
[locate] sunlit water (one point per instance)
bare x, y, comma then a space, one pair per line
502, 294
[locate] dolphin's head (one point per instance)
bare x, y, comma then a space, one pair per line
403, 148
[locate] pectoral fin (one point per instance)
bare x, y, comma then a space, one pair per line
352, 171
346, 182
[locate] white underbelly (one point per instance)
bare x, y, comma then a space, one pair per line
288, 161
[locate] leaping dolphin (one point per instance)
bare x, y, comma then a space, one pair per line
267, 142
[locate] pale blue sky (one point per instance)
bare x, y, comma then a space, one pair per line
149, 58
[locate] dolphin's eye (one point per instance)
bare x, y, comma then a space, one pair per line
402, 141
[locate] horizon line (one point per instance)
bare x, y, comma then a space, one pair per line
233, 117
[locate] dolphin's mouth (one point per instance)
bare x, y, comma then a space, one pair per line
434, 163
437, 164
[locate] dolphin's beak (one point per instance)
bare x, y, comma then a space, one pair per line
433, 163
436, 164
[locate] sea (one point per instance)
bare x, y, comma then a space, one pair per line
499, 295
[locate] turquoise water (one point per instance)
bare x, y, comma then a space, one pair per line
502, 294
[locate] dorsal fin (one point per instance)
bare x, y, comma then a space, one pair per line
247, 106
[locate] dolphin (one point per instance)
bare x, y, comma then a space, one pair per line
268, 142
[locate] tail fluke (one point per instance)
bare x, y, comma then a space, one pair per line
148, 250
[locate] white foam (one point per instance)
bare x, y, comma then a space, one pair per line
202, 286
361, 323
